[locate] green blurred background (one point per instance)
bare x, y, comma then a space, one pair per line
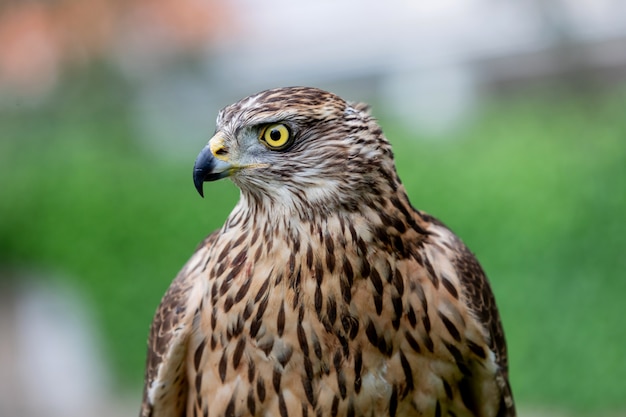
96, 192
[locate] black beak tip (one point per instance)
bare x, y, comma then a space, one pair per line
202, 168
198, 181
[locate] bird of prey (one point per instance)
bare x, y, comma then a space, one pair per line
325, 293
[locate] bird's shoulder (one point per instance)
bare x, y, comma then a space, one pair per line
467, 280
470, 277
165, 384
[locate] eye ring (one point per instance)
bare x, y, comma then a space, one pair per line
276, 136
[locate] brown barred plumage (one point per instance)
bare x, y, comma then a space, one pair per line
325, 293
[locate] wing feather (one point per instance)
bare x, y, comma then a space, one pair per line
482, 304
165, 382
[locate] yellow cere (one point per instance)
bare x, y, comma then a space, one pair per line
217, 144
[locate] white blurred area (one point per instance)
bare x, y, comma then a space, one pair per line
50, 358
430, 63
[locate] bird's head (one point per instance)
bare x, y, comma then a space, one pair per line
299, 147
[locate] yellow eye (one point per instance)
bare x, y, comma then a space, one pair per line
276, 137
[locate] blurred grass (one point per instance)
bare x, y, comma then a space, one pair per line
536, 186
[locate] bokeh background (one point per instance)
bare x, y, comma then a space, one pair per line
508, 119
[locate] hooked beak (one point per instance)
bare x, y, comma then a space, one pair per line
212, 163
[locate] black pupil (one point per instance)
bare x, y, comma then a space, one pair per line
275, 134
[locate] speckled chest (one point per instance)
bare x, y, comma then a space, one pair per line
303, 329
